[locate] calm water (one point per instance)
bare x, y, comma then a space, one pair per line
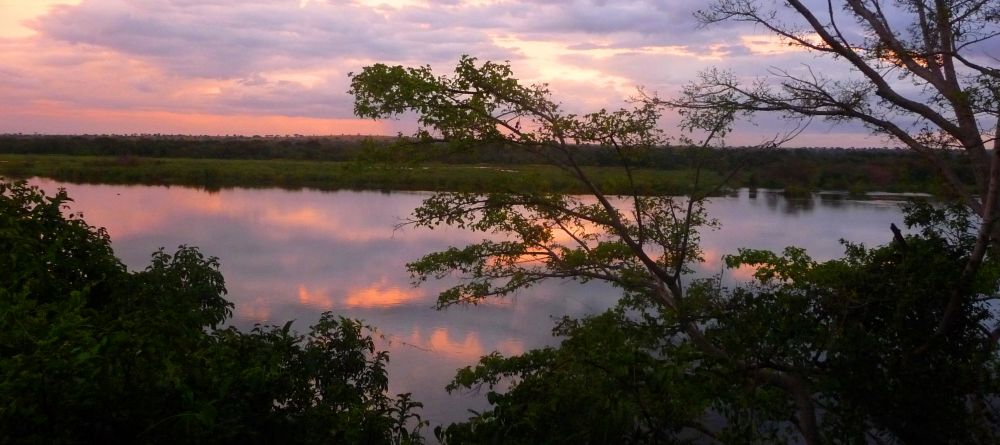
293, 254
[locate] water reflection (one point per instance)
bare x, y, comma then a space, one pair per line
833, 199
293, 254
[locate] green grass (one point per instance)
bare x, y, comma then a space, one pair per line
325, 175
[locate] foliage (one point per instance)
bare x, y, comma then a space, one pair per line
894, 344
94, 353
863, 328
329, 148
942, 97
214, 174
332, 163
548, 235
855, 327
604, 384
916, 72
553, 236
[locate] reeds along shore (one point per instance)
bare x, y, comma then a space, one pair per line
376, 163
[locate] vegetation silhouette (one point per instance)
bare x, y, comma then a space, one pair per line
94, 353
891, 344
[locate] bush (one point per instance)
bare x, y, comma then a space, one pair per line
93, 353
859, 331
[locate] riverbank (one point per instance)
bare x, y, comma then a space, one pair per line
214, 174
384, 163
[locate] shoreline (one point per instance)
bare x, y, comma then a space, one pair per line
216, 174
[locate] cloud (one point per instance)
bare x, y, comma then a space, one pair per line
266, 58
78, 65
224, 40
15, 16
216, 40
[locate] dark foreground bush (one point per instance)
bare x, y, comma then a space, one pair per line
859, 331
93, 353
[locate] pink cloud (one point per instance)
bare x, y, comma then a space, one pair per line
280, 66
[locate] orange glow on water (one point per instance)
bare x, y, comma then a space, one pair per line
320, 221
380, 294
713, 259
468, 347
126, 218
258, 309
440, 341
300, 218
743, 273
314, 298
511, 347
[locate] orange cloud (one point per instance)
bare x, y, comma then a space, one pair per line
545, 58
771, 45
61, 118
390, 4
15, 14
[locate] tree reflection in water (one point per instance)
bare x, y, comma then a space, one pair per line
293, 254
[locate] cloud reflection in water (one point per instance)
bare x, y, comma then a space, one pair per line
293, 254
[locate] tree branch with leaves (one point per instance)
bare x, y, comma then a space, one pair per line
641, 244
956, 105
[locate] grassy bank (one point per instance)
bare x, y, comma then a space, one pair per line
326, 175
365, 162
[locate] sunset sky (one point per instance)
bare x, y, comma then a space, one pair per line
280, 66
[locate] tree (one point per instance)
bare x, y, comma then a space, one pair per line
646, 249
93, 353
605, 383
720, 353
848, 326
938, 46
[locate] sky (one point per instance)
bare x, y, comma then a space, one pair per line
281, 66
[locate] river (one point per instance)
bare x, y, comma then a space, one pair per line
294, 254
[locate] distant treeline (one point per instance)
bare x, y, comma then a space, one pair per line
341, 148
799, 169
